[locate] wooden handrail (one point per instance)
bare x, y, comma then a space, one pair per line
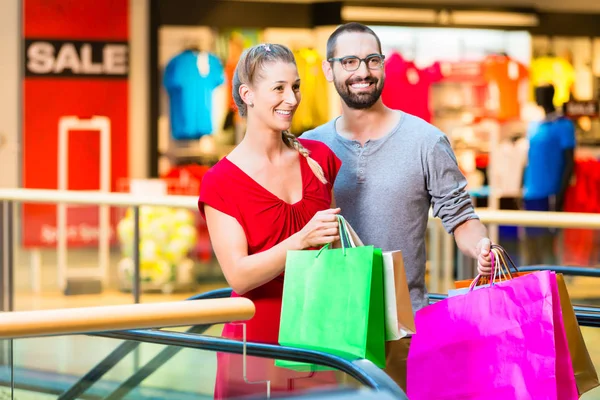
501, 217
540, 218
71, 321
92, 197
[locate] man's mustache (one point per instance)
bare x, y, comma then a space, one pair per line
366, 80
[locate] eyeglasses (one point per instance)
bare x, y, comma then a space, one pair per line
352, 63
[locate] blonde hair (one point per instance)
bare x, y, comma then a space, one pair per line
247, 72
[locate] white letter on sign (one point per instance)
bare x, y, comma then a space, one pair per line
87, 64
67, 59
41, 57
115, 59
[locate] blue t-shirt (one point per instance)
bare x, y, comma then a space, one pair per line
190, 94
547, 142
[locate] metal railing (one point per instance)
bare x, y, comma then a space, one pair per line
364, 371
441, 247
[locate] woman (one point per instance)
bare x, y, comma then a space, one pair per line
271, 194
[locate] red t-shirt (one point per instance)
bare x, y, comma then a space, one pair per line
267, 220
407, 87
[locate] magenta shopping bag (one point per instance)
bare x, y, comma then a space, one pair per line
505, 342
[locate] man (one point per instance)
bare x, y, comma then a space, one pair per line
395, 166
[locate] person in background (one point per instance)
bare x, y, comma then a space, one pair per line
395, 166
271, 194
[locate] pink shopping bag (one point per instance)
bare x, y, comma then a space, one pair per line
502, 342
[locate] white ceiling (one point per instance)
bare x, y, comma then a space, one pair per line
541, 5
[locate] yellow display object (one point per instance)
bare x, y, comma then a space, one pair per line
314, 107
167, 235
556, 71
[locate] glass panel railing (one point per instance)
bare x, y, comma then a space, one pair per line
90, 268
251, 368
6, 370
151, 364
53, 365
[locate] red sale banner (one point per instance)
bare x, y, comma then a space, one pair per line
76, 57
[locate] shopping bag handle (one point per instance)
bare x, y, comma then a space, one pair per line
345, 231
475, 281
345, 240
506, 255
500, 267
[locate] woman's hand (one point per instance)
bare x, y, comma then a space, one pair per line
320, 230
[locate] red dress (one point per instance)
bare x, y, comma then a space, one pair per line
267, 220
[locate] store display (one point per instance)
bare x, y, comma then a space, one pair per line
235, 49
556, 71
407, 87
504, 75
550, 141
166, 237
186, 180
508, 166
549, 166
190, 79
583, 196
314, 106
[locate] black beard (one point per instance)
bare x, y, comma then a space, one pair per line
359, 101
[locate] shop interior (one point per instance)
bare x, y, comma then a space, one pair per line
476, 83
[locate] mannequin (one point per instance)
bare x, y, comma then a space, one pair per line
544, 96
548, 173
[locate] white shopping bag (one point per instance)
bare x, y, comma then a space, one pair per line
399, 317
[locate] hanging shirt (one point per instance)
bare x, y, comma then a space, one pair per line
237, 42
509, 161
314, 106
547, 142
190, 94
557, 71
407, 87
230, 66
504, 76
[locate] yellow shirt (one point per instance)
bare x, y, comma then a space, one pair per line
558, 72
314, 106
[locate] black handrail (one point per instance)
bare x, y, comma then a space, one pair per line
586, 316
565, 270
118, 354
356, 369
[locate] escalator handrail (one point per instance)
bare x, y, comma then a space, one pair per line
213, 294
356, 369
565, 270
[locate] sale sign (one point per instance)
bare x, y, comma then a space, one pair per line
76, 68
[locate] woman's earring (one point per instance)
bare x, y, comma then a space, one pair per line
250, 104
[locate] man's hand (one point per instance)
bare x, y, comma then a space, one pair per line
484, 258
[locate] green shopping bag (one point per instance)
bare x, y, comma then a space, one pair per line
333, 301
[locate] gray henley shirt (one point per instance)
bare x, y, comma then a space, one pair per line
386, 188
